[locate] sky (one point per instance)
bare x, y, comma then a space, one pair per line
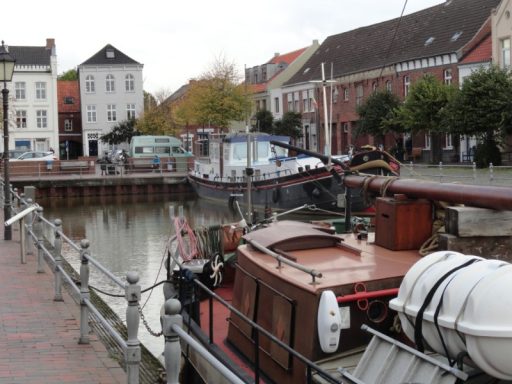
180, 40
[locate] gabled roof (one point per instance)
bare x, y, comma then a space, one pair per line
287, 58
109, 55
438, 30
31, 55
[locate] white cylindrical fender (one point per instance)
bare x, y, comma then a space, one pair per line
329, 322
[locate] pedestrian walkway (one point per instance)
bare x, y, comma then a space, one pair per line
39, 336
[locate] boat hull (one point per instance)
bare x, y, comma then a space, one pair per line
315, 187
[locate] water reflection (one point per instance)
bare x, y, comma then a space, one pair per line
129, 233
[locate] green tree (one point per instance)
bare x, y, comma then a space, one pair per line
216, 98
71, 74
264, 121
159, 115
425, 109
289, 125
121, 133
483, 108
375, 115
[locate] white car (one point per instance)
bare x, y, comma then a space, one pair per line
36, 156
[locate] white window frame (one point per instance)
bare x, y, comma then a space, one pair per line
110, 83
407, 85
90, 86
130, 111
310, 100
359, 94
41, 118
448, 76
346, 94
111, 113
91, 113
448, 141
20, 91
129, 83
276, 104
296, 102
389, 86
21, 118
427, 140
505, 52
68, 125
289, 99
375, 85
40, 90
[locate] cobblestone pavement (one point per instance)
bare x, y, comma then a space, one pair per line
39, 336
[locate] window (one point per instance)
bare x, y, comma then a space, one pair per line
69, 100
129, 82
389, 86
89, 84
289, 98
40, 90
346, 94
505, 53
41, 119
19, 90
110, 85
68, 125
448, 143
448, 76
21, 119
130, 111
359, 94
296, 101
335, 94
374, 86
311, 102
345, 127
407, 85
91, 113
111, 112
276, 104
427, 140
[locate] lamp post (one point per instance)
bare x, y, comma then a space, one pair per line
6, 71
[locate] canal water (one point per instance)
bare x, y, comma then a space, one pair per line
130, 233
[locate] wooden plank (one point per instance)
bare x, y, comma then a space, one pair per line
471, 221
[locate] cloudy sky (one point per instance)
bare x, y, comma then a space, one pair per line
179, 40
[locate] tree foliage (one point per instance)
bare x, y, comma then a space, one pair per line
159, 115
289, 125
425, 110
121, 133
71, 74
483, 108
375, 115
216, 98
264, 121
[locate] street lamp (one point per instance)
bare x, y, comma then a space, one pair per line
6, 71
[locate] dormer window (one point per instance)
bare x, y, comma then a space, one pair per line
110, 53
429, 41
455, 36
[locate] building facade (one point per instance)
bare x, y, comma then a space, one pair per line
70, 120
111, 91
33, 120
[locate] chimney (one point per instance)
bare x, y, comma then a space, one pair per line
50, 43
276, 54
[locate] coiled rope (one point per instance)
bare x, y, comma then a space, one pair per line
187, 250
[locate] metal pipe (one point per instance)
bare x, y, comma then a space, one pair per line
493, 197
367, 295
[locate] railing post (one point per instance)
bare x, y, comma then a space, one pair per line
172, 350
84, 292
474, 171
491, 173
440, 171
132, 353
29, 219
40, 238
23, 234
58, 260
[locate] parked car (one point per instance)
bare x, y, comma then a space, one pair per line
36, 156
13, 153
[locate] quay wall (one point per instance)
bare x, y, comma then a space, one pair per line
105, 186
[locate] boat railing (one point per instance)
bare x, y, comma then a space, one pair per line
256, 177
47, 237
311, 367
283, 260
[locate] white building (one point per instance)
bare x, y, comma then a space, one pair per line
33, 117
111, 92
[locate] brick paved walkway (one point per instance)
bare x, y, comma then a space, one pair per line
38, 336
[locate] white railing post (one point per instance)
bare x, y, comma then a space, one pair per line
58, 260
84, 292
491, 173
172, 350
40, 239
474, 171
440, 171
23, 234
29, 219
132, 353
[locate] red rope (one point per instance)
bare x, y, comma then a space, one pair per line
187, 252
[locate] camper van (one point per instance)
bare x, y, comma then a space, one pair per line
162, 146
